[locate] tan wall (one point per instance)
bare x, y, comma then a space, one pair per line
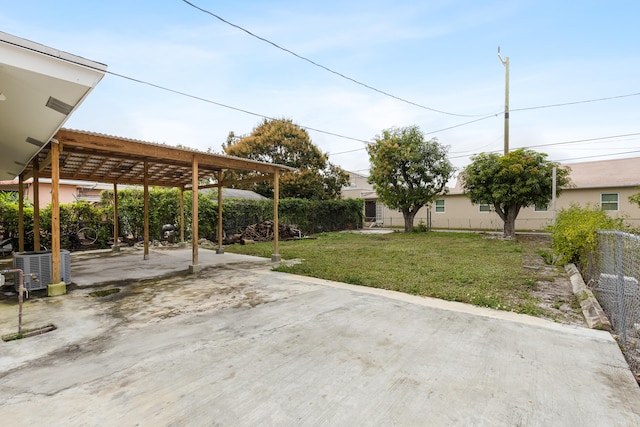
68, 193
461, 214
65, 194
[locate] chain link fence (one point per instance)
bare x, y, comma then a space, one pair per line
615, 274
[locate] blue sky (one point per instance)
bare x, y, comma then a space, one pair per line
439, 54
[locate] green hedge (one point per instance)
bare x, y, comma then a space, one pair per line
310, 216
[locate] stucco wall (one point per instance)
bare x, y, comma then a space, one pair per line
461, 214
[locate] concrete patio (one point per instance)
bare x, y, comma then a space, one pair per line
239, 344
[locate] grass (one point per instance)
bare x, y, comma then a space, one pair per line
465, 267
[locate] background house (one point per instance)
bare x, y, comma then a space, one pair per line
607, 183
69, 190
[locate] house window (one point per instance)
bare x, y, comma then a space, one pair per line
541, 208
609, 201
485, 207
440, 206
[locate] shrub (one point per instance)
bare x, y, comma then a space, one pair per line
420, 228
575, 233
310, 216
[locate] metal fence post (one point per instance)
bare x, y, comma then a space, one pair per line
620, 285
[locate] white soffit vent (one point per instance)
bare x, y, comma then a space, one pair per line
59, 106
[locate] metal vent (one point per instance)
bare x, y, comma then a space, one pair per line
34, 142
59, 106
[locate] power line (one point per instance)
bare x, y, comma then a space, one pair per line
348, 151
583, 140
600, 155
576, 102
426, 133
209, 101
595, 156
463, 124
602, 138
324, 67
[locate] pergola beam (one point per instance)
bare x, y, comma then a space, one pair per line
178, 156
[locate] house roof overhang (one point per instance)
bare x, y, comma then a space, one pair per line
40, 87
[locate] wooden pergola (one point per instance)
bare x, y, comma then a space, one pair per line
88, 156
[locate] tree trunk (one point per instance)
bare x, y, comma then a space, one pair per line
510, 215
409, 215
509, 230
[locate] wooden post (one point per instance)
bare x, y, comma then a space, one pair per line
116, 229
220, 249
146, 210
20, 213
55, 213
182, 215
194, 267
36, 205
275, 257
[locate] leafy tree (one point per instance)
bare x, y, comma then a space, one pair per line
407, 171
635, 199
519, 179
283, 142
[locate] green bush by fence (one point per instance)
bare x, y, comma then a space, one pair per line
575, 233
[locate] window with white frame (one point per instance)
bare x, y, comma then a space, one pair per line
541, 208
484, 207
609, 201
440, 206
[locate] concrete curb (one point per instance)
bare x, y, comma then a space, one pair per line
593, 313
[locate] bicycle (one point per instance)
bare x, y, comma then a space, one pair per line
85, 236
72, 240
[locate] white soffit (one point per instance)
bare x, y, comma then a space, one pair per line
40, 87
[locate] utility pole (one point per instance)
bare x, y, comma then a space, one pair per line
505, 62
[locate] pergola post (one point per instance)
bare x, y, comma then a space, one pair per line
220, 249
194, 267
182, 216
20, 213
56, 287
275, 257
146, 210
36, 205
116, 229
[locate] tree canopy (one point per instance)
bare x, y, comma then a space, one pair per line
285, 143
408, 171
519, 179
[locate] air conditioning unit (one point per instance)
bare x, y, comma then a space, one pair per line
39, 264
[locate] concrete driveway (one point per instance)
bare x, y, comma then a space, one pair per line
238, 344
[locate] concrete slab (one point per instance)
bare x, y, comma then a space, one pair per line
248, 346
99, 267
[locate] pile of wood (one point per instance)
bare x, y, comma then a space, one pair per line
263, 232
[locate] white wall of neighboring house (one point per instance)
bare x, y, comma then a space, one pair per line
607, 183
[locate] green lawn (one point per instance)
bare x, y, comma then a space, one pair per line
464, 267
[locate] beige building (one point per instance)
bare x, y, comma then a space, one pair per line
607, 183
